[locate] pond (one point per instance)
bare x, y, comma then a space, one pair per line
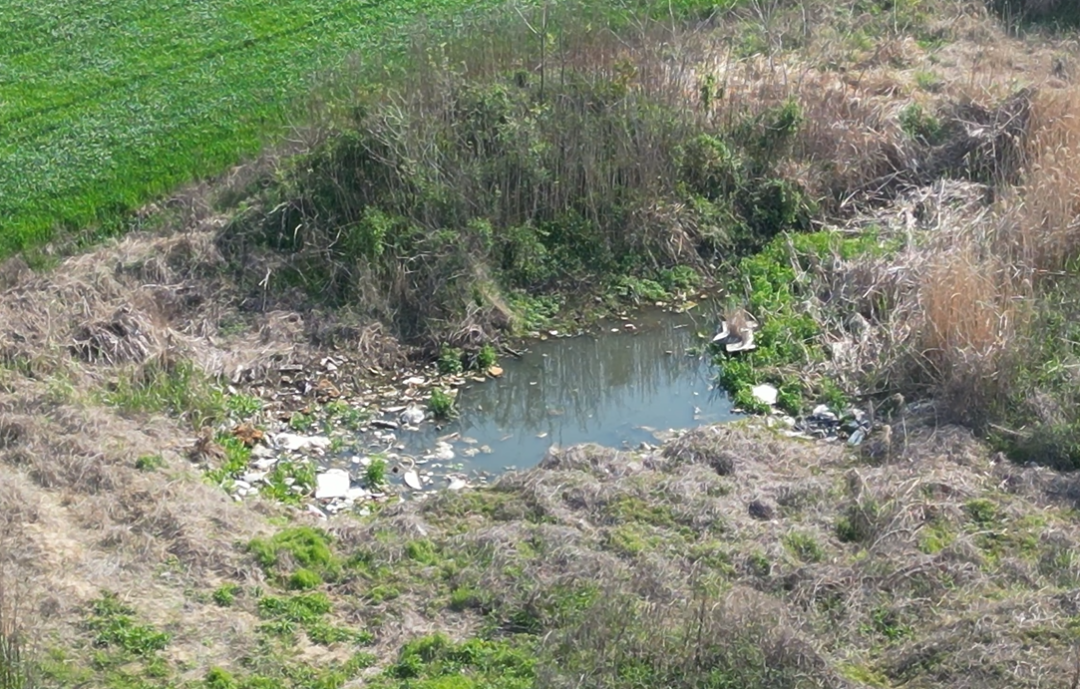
617, 385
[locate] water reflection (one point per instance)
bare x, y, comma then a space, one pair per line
611, 388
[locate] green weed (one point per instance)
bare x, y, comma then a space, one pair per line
299, 609
981, 511
304, 546
225, 595
218, 678
441, 404
921, 125
464, 598
289, 482
928, 81
149, 462
115, 627
935, 537
345, 414
243, 407
887, 623
237, 456
301, 422
303, 580
375, 473
486, 357
804, 546
168, 385
450, 361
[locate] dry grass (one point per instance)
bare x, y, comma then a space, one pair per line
914, 571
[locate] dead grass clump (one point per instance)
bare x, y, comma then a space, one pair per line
13, 430
16, 670
738, 640
1041, 219
18, 506
706, 445
124, 337
590, 458
970, 318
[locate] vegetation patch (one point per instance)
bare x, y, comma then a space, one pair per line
300, 550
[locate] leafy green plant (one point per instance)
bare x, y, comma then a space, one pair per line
345, 414
218, 678
301, 545
928, 81
441, 404
289, 482
486, 357
375, 473
463, 598
887, 623
921, 125
327, 634
449, 362
304, 608
301, 422
225, 595
640, 289
114, 626
303, 580
981, 511
243, 407
237, 456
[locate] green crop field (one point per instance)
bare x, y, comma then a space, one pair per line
106, 103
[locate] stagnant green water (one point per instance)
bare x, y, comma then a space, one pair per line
615, 386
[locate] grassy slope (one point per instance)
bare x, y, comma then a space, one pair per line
105, 104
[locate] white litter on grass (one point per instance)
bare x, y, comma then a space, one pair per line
765, 393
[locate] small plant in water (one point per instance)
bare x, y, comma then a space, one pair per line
375, 475
441, 404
